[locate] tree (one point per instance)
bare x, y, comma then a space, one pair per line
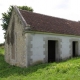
7, 15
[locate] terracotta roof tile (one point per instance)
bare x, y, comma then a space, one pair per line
43, 23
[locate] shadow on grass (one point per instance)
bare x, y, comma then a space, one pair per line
7, 70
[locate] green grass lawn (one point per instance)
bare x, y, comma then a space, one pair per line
68, 70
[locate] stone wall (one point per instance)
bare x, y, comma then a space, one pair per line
15, 42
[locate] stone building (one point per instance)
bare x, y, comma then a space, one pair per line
34, 38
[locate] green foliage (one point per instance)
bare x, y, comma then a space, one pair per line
25, 8
68, 70
7, 15
6, 18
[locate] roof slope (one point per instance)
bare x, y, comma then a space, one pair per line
43, 23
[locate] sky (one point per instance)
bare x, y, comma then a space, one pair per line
67, 9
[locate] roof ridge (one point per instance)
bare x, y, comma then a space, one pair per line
48, 16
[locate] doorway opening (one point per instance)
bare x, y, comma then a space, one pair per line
74, 48
51, 50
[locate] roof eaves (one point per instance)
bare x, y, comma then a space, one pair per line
49, 33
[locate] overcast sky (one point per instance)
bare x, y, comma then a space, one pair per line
68, 9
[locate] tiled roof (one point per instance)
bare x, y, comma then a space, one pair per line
43, 23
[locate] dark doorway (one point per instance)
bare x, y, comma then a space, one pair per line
51, 51
74, 49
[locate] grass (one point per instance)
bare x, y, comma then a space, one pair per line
1, 50
68, 70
